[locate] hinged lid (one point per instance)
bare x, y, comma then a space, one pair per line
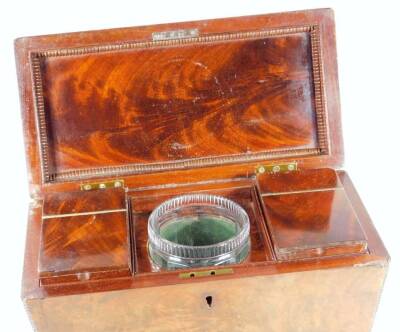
185, 95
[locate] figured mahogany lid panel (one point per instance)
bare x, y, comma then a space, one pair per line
126, 101
78, 202
85, 235
309, 224
298, 181
84, 247
309, 214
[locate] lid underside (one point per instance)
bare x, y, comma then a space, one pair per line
148, 106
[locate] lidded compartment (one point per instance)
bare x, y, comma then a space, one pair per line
84, 237
309, 215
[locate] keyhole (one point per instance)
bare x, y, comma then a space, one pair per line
209, 300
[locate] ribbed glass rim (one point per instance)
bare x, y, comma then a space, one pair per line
198, 252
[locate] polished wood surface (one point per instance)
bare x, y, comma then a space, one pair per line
115, 109
84, 247
318, 223
148, 197
83, 201
309, 214
306, 179
330, 300
267, 95
84, 236
253, 289
195, 115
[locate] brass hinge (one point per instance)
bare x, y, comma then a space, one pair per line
102, 185
276, 168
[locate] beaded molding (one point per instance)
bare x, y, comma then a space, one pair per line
49, 175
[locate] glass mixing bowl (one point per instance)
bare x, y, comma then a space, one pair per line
198, 230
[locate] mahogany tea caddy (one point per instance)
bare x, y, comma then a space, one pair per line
118, 121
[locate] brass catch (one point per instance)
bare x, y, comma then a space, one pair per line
276, 168
209, 273
102, 185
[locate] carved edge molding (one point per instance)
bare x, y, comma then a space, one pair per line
48, 175
319, 96
41, 124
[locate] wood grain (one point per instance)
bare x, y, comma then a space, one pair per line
306, 179
333, 300
260, 81
83, 202
184, 116
177, 103
84, 247
377, 254
318, 223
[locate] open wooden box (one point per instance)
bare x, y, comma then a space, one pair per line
117, 121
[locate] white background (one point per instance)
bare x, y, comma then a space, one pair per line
368, 55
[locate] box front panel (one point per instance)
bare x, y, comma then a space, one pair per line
316, 301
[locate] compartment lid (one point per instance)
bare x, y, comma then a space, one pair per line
183, 95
